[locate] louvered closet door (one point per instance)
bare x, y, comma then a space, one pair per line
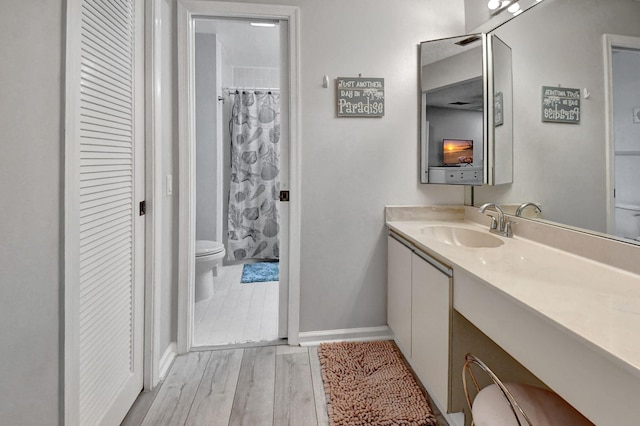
111, 233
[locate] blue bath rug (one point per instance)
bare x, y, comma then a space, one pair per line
260, 272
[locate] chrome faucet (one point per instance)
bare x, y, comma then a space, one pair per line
527, 204
498, 226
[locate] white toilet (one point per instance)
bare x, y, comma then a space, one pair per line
209, 255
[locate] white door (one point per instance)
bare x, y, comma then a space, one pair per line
104, 231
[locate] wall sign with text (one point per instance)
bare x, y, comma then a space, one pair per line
360, 97
560, 105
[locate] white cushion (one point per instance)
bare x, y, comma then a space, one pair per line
544, 408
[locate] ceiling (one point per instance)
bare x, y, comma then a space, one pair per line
465, 95
243, 44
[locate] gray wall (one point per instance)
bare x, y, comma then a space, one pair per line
30, 211
31, 168
453, 69
206, 107
372, 162
352, 167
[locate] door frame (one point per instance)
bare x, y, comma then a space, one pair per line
188, 10
611, 41
154, 27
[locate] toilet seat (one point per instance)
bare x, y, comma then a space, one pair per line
207, 248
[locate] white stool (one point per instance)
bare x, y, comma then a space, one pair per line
505, 404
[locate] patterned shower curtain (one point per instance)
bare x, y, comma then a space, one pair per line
254, 216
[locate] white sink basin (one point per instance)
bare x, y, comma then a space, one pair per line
463, 237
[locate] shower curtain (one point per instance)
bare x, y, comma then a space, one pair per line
254, 216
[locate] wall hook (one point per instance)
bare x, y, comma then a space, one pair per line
586, 93
325, 81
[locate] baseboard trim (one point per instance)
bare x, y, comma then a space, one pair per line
167, 359
364, 334
455, 419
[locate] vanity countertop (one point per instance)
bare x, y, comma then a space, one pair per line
596, 303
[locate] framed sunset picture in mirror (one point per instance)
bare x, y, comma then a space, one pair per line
457, 152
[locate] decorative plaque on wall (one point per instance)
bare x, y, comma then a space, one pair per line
360, 97
560, 105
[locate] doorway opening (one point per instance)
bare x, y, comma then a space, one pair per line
285, 231
238, 174
237, 96
624, 133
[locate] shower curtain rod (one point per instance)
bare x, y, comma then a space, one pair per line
260, 89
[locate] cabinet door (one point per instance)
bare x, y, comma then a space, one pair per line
399, 293
430, 316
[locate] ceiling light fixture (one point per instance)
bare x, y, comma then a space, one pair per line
514, 8
511, 6
493, 4
263, 24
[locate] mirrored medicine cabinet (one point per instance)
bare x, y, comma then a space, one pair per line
466, 114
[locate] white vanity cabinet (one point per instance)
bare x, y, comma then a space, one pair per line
399, 293
431, 311
419, 311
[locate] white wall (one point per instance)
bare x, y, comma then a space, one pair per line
169, 208
241, 41
561, 166
476, 13
31, 212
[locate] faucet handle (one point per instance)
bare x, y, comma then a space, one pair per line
494, 222
508, 228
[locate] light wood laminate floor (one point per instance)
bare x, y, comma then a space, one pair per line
237, 313
270, 385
